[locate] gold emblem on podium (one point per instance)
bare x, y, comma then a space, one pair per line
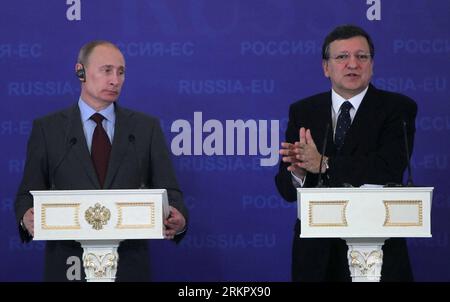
97, 216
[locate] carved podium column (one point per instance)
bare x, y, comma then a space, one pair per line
100, 260
99, 220
365, 258
365, 218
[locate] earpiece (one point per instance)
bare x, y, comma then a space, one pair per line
81, 73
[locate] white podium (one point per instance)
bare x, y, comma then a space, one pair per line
99, 220
365, 218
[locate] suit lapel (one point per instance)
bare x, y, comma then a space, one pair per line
322, 118
122, 130
80, 149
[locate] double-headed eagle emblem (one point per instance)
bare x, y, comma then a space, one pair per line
97, 216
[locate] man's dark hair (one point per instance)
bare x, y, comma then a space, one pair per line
86, 50
344, 32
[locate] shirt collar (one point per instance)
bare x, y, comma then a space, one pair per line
338, 100
87, 111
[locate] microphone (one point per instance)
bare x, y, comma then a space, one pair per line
132, 140
324, 147
409, 182
72, 142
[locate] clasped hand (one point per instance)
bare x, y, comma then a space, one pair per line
302, 155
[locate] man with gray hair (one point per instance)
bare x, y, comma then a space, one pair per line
365, 146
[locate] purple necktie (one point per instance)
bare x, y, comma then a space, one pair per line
100, 149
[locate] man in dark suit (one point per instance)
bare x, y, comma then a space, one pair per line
365, 146
96, 144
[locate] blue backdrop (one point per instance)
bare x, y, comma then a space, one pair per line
205, 65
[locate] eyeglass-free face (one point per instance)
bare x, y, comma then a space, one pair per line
350, 66
105, 75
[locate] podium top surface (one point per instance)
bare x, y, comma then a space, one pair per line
366, 189
100, 192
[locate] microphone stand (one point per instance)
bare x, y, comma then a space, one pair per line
72, 142
324, 146
409, 182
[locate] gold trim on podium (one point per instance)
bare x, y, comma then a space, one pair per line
388, 217
122, 205
76, 219
342, 203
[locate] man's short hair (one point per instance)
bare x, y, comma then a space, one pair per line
344, 32
86, 50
